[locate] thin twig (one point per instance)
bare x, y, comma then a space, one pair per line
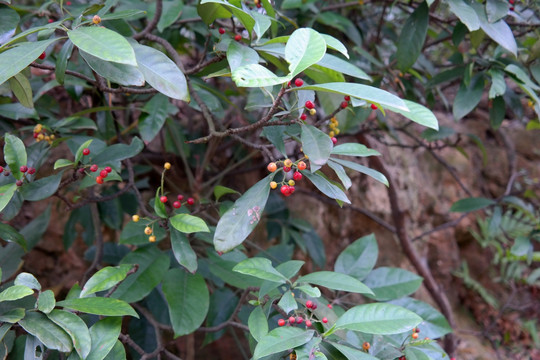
98, 243
153, 23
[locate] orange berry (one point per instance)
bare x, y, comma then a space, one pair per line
135, 218
287, 163
273, 185
272, 167
152, 238
415, 336
301, 165
366, 346
148, 230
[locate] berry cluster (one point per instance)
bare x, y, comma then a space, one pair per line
301, 317
40, 134
287, 187
177, 203
24, 169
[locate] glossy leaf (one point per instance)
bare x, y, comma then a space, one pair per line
497, 112
304, 48
392, 283
326, 187
255, 75
245, 18
335, 281
46, 301
151, 124
75, 327
153, 265
352, 353
9, 19
364, 92
122, 74
104, 335
220, 191
260, 268
183, 252
50, 334
188, 223
378, 318
240, 220
363, 169
240, 55
358, 258
118, 352
335, 44
316, 145
499, 31
9, 234
287, 302
496, 10
171, 12
418, 113
498, 84
42, 188
29, 280
412, 37
99, 306
105, 279
15, 292
12, 316
20, 56
341, 174
161, 72
104, 44
281, 339
14, 154
118, 152
20, 86
434, 324
471, 204
257, 323
465, 14
62, 61
7, 191
354, 149
188, 300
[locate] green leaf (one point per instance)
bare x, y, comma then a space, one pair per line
8, 233
245, 18
50, 334
29, 280
465, 14
20, 56
521, 75
498, 85
9, 19
161, 72
316, 145
378, 318
309, 290
220, 191
287, 302
471, 204
353, 149
392, 283
183, 252
499, 31
326, 187
239, 55
240, 220
209, 12
188, 223
105, 279
118, 152
364, 92
12, 316
104, 44
122, 74
413, 353
412, 37
255, 75
434, 325
46, 301
358, 258
171, 12
352, 353
335, 281
22, 90
363, 169
153, 265
304, 48
159, 207
258, 323
99, 306
42, 188
281, 339
62, 61
260, 268
14, 154
496, 10
262, 23
335, 44
7, 191
188, 300
15, 292
497, 112
151, 124
79, 152
75, 327
340, 172
118, 352
104, 335
335, 63
418, 113
60, 163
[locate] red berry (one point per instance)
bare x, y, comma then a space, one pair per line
511, 8
344, 104
285, 190
511, 2
190, 201
347, 98
281, 322
292, 320
259, 5
23, 168
86, 151
103, 173
81, 170
297, 176
99, 180
68, 3
309, 104
18, 182
291, 190
334, 140
324, 320
180, 197
329, 306
35, 135
309, 304
42, 56
237, 37
50, 21
286, 169
6, 173
299, 320
374, 107
163, 199
303, 117
94, 168
1, 169
177, 204
453, 358
298, 82
308, 323
289, 84
221, 31
314, 306
108, 169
